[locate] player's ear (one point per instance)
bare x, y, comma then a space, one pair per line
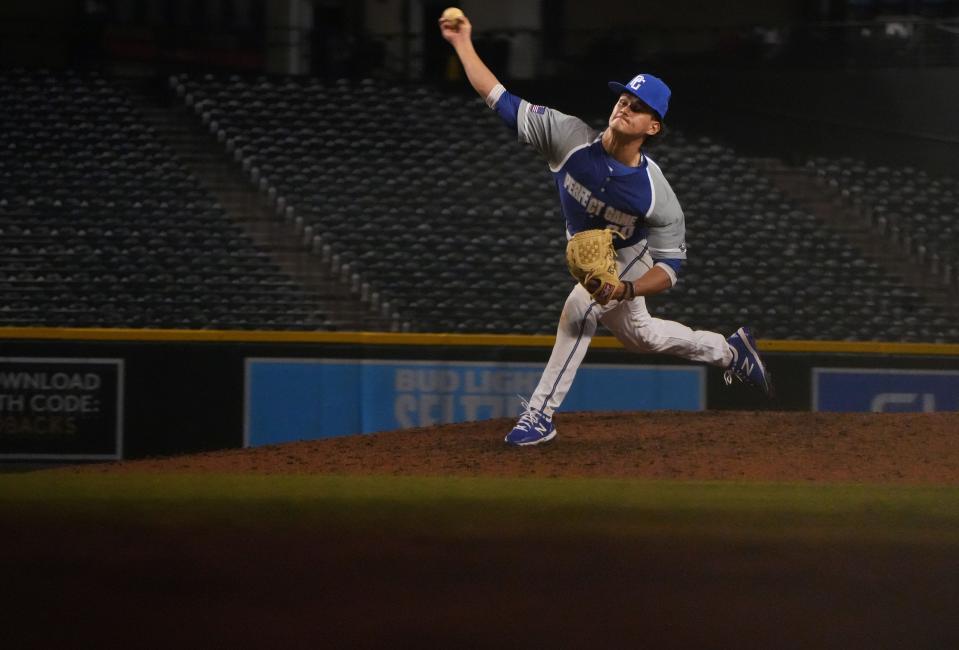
655, 126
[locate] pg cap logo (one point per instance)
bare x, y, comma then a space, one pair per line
637, 81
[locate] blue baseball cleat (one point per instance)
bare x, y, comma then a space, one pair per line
534, 427
747, 367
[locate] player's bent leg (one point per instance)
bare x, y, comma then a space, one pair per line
738, 355
638, 331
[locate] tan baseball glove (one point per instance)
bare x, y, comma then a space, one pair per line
591, 259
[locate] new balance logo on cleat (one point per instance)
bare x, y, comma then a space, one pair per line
534, 427
746, 365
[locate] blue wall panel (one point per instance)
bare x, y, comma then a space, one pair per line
862, 389
296, 399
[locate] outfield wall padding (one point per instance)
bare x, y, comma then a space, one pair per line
183, 392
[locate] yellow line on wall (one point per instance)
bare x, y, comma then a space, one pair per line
861, 347
457, 340
262, 336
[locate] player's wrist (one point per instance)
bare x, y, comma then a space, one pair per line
626, 290
466, 53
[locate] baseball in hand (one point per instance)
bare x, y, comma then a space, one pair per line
453, 15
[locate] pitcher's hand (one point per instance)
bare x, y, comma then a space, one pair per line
456, 31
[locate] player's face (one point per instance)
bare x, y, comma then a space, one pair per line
631, 116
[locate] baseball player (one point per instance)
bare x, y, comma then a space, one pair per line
607, 183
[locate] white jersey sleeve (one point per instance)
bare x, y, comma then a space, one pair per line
553, 134
665, 219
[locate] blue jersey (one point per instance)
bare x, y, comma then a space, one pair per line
596, 190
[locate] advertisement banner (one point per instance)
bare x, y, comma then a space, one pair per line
303, 399
61, 409
879, 391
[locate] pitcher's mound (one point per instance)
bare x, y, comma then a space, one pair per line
714, 445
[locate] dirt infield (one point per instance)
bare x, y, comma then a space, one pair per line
902, 448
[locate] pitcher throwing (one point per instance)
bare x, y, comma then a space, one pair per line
607, 184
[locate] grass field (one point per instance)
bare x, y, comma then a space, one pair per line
345, 561
453, 506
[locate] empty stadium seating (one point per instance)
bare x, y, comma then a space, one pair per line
775, 265
435, 207
102, 226
424, 202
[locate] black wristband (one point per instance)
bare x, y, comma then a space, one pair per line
629, 291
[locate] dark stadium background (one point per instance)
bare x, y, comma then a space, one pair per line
845, 108
186, 185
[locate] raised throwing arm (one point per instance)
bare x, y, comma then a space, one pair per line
459, 34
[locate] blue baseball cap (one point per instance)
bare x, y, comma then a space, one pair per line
648, 88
